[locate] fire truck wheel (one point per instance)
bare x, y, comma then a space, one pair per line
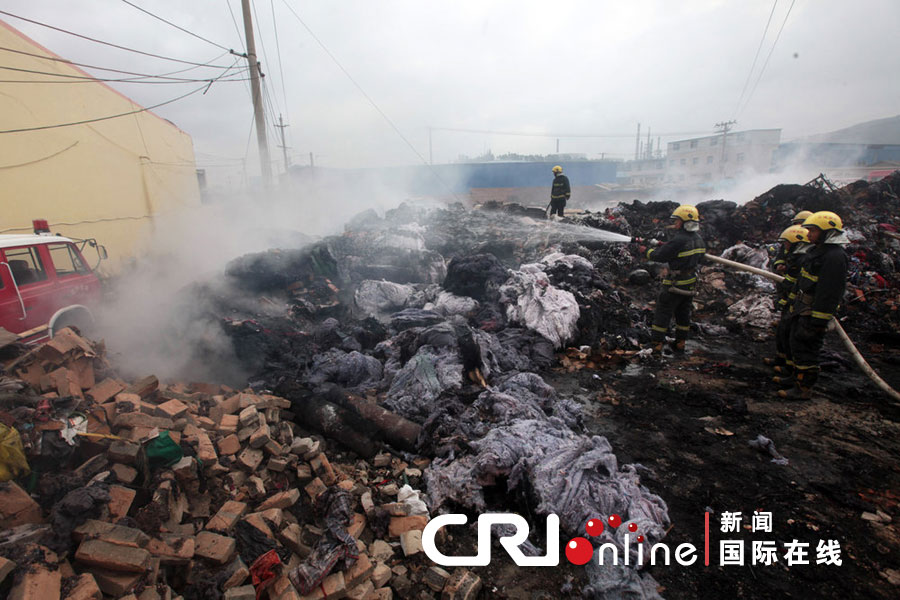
80, 320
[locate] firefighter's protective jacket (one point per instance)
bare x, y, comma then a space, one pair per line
821, 284
560, 189
683, 253
793, 261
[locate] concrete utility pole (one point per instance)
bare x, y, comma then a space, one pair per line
281, 126
637, 143
725, 127
258, 115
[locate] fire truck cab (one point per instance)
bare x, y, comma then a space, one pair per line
46, 283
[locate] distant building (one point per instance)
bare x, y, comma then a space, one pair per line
647, 172
841, 162
105, 179
716, 157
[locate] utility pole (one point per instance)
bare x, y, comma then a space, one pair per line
284, 149
259, 118
557, 145
725, 126
637, 143
649, 147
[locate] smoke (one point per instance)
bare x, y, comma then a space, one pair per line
154, 317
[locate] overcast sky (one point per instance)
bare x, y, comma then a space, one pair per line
587, 67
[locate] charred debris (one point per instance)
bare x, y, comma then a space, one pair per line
397, 371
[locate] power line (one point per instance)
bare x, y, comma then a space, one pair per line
132, 112
765, 64
110, 44
199, 37
370, 100
87, 66
564, 135
280, 68
262, 44
753, 64
67, 78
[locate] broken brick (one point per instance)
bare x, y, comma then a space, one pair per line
217, 548
108, 532
227, 517
411, 542
123, 452
104, 390
120, 501
116, 583
173, 409
462, 585
39, 581
281, 500
85, 588
400, 525
124, 473
17, 507
250, 459
314, 488
229, 445
113, 556
322, 467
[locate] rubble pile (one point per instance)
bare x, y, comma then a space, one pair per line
145, 490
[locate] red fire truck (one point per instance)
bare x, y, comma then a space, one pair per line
46, 283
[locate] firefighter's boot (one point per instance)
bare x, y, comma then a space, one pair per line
804, 381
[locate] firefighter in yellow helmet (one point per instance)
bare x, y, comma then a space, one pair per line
780, 263
794, 246
560, 192
676, 298
820, 288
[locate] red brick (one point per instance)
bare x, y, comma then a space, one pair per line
114, 534
333, 587
173, 409
38, 582
381, 594
227, 517
229, 445
321, 465
360, 591
104, 390
205, 449
357, 524
173, 551
6, 567
359, 572
281, 500
17, 507
250, 459
239, 574
85, 588
462, 585
229, 424
116, 583
214, 547
256, 519
314, 488
400, 525
120, 503
113, 556
126, 403
124, 473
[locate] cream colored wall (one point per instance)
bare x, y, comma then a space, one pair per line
105, 179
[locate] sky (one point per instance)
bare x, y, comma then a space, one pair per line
361, 83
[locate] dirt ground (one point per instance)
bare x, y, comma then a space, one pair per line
689, 420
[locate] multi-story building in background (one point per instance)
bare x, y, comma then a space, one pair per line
718, 157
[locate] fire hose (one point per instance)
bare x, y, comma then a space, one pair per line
848, 343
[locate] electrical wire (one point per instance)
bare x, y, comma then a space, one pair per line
89, 79
753, 64
563, 135
110, 44
772, 50
287, 112
202, 88
87, 66
241, 39
372, 102
199, 37
262, 45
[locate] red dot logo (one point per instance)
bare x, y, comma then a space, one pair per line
632, 527
614, 521
594, 527
640, 539
579, 551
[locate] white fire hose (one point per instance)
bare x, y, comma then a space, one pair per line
857, 357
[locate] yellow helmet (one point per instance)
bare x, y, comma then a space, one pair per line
794, 233
686, 212
557, 169
800, 217
824, 220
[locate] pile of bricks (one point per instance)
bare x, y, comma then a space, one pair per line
169, 532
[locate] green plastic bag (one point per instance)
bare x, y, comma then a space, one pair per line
163, 452
12, 455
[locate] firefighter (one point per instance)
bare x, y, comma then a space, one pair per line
794, 246
560, 192
820, 287
779, 264
683, 254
